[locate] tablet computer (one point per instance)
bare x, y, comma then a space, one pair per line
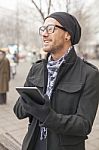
33, 92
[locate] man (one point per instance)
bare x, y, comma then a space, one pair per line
70, 87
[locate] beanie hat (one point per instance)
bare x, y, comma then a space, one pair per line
70, 23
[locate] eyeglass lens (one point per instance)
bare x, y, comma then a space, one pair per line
49, 29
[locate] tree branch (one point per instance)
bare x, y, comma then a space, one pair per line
39, 10
49, 7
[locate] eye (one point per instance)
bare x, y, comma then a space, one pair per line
50, 28
42, 28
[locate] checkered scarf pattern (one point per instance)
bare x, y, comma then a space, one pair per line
52, 67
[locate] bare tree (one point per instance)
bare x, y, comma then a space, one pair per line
7, 30
95, 16
18, 28
51, 5
67, 5
40, 8
27, 26
88, 23
83, 16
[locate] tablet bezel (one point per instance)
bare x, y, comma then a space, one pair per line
33, 92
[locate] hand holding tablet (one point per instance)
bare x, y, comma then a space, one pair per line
33, 92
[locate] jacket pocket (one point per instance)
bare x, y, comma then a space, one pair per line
67, 98
70, 87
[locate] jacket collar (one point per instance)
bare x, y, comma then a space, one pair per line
70, 57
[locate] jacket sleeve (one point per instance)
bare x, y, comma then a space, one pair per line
18, 109
79, 124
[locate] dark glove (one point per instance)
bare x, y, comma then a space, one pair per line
40, 112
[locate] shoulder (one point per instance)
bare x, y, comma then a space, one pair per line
36, 67
87, 66
88, 70
39, 61
92, 72
90, 66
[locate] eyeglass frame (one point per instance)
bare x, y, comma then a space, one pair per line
46, 28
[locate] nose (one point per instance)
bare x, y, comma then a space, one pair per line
45, 33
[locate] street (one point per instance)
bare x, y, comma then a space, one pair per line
16, 129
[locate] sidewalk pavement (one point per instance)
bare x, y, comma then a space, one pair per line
14, 130
10, 126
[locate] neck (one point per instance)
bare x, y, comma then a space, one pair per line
59, 54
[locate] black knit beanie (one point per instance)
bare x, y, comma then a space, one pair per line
70, 23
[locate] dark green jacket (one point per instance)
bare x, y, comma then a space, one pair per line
74, 101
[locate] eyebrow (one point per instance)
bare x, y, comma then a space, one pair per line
60, 27
56, 26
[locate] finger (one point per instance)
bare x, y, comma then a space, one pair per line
27, 99
23, 100
46, 97
25, 96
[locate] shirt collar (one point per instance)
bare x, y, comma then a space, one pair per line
63, 57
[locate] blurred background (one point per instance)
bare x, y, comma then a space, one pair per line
20, 20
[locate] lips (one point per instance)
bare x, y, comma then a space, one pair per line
46, 42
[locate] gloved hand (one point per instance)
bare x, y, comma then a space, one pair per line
40, 112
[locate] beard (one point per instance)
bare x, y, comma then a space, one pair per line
52, 48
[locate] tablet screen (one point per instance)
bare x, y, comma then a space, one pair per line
33, 92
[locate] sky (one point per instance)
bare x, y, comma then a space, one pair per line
11, 4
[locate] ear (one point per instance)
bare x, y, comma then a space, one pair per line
67, 36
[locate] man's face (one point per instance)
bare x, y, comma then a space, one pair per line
53, 42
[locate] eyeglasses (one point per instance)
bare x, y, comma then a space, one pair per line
49, 29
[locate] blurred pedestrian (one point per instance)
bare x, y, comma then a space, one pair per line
13, 64
15, 57
4, 76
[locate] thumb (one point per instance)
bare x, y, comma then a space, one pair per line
46, 97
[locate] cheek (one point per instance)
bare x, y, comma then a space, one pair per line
59, 40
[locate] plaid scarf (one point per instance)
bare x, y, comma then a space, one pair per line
52, 67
